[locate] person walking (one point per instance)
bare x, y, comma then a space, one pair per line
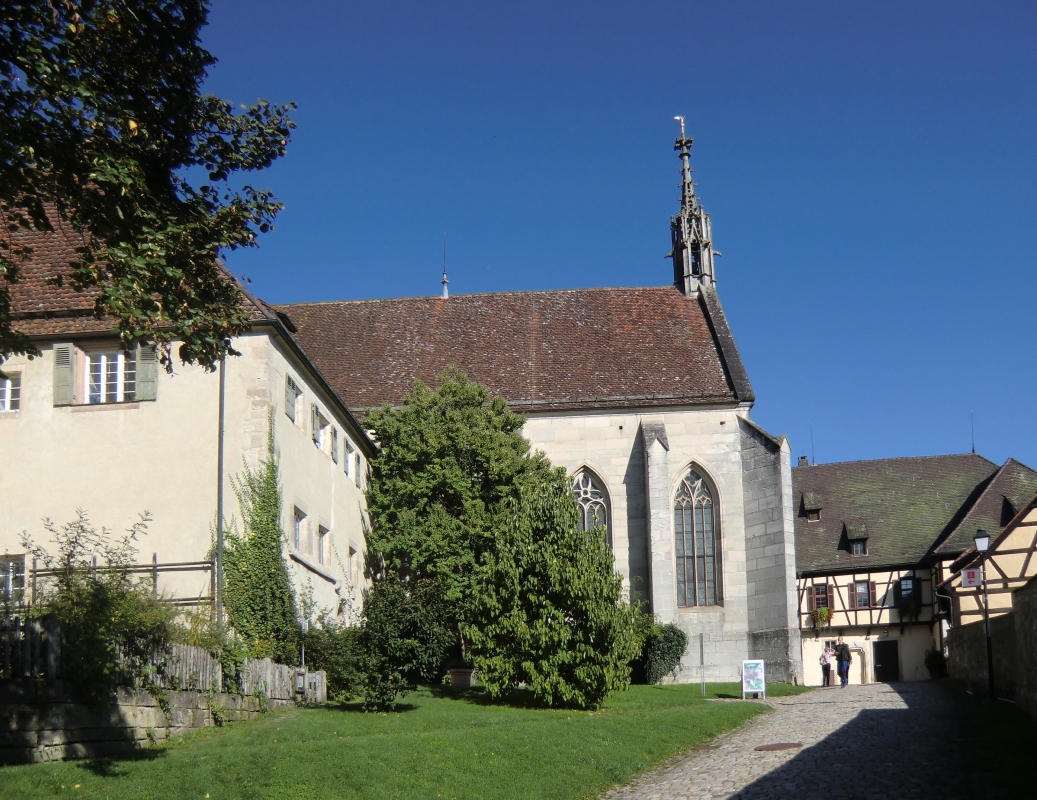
843, 659
826, 665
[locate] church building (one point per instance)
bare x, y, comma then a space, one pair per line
641, 394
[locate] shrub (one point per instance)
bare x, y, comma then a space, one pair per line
548, 611
406, 636
111, 623
936, 663
662, 652
339, 652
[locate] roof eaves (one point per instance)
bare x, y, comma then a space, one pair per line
726, 347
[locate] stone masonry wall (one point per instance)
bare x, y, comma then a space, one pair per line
48, 721
1025, 604
770, 554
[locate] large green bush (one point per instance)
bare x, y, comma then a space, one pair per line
548, 613
340, 653
406, 636
661, 653
111, 622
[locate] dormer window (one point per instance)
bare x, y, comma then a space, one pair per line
814, 515
810, 506
857, 535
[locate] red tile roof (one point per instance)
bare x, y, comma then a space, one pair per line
539, 350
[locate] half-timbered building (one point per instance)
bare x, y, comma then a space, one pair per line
874, 540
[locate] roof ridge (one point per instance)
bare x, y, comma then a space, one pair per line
902, 458
432, 297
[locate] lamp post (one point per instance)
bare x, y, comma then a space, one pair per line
982, 541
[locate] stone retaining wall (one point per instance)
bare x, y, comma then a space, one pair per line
1014, 643
49, 721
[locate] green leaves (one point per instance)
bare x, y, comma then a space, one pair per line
104, 125
547, 612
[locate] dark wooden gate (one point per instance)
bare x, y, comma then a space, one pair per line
887, 661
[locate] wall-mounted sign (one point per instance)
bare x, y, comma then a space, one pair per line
754, 679
971, 577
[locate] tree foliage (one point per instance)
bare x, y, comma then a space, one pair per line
406, 636
258, 593
449, 459
548, 610
106, 133
661, 652
111, 623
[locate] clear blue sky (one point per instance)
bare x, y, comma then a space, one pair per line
870, 169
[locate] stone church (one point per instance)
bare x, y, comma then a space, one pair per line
641, 394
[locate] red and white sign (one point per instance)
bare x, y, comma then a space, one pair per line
970, 578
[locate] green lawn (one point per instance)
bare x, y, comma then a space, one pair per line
440, 747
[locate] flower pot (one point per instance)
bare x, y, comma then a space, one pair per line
461, 677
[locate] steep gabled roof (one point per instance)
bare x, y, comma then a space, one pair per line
905, 505
1007, 492
550, 350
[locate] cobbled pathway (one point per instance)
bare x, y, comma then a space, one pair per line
879, 741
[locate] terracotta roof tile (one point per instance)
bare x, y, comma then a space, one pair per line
539, 350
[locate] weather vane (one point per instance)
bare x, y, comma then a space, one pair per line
681, 121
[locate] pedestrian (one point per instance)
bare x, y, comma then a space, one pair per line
843, 659
826, 665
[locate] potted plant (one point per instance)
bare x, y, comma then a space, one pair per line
460, 673
822, 618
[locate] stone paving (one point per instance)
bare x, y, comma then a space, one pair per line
877, 741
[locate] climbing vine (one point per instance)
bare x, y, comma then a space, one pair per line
258, 592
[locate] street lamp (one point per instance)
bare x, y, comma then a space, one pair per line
982, 541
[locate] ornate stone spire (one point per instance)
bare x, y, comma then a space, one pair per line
691, 230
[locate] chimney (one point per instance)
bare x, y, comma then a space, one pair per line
804, 461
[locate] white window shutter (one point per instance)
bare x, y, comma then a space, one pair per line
314, 424
334, 445
64, 373
289, 397
147, 372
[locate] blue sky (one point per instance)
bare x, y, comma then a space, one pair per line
870, 170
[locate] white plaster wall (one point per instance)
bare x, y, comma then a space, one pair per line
116, 461
913, 642
610, 445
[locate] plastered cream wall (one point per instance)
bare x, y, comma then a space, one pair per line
912, 643
611, 446
117, 461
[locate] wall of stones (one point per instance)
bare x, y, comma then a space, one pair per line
967, 654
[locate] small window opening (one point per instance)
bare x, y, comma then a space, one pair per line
859, 547
11, 392
814, 515
298, 529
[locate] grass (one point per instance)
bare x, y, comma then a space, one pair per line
1005, 734
440, 746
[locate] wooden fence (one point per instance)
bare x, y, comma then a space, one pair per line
32, 649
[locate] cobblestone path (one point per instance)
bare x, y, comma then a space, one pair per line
877, 741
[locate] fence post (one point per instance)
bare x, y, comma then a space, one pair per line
33, 598
51, 652
7, 646
154, 575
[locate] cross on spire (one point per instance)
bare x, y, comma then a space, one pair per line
690, 230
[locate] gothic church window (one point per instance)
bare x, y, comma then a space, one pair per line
697, 544
592, 500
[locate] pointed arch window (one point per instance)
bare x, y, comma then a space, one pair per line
697, 544
593, 503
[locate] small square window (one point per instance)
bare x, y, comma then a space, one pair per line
11, 392
859, 547
820, 595
109, 377
814, 515
907, 586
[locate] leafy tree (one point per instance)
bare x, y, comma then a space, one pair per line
406, 635
258, 592
111, 623
548, 611
339, 652
106, 132
449, 460
662, 648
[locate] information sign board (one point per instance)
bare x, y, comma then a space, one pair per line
754, 678
970, 578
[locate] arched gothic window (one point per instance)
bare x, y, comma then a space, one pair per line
592, 500
698, 545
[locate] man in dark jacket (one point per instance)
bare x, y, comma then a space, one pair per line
843, 659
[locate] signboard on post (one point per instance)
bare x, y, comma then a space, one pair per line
971, 578
754, 679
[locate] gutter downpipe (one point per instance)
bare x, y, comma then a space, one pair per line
219, 493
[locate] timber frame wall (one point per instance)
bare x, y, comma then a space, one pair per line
884, 594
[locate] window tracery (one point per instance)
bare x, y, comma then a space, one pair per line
592, 500
697, 544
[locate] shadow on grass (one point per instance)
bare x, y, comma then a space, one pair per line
108, 766
358, 708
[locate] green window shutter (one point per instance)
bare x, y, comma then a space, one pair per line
64, 372
147, 372
289, 397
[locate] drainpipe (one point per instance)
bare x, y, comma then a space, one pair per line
219, 493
